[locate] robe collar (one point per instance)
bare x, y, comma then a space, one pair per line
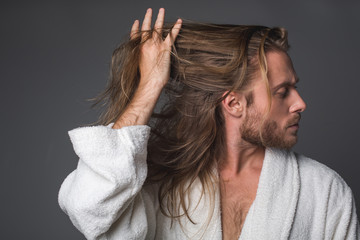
272, 213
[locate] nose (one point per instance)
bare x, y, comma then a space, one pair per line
299, 104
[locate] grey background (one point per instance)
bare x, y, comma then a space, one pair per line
54, 55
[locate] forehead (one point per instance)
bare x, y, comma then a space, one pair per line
280, 68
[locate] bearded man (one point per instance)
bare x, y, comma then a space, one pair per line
215, 162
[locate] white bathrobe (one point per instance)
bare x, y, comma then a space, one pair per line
297, 197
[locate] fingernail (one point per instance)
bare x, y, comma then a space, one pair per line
148, 10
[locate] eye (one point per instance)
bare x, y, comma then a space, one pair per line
284, 92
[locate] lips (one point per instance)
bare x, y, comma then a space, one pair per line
294, 126
294, 122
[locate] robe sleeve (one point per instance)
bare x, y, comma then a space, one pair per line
103, 196
341, 220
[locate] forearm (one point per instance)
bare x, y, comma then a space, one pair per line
139, 111
154, 67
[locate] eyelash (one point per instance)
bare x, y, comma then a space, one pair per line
286, 93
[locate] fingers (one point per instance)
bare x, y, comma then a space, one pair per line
159, 22
134, 29
174, 31
146, 26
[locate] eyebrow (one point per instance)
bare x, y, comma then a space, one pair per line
285, 84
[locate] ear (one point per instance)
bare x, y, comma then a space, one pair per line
234, 104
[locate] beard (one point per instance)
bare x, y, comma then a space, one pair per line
268, 133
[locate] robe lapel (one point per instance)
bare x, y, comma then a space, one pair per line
276, 198
272, 213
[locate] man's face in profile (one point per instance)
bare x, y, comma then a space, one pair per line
280, 126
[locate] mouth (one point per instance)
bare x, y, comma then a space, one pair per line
294, 126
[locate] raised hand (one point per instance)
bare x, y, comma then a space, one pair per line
155, 52
154, 69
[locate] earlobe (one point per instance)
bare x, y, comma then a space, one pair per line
233, 104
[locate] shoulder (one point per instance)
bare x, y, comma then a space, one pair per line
326, 200
316, 176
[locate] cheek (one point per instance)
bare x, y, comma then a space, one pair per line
279, 107
279, 113
260, 98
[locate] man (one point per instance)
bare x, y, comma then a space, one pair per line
217, 156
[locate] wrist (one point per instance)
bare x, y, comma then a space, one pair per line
152, 84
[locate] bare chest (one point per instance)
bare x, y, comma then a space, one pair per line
236, 200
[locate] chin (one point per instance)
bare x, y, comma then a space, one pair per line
281, 143
290, 143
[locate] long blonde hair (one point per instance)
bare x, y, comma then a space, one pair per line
187, 135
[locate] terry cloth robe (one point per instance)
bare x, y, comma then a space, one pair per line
297, 197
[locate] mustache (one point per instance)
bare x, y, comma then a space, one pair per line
294, 120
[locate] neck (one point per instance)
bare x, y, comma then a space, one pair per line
240, 156
244, 159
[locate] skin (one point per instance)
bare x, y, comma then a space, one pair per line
154, 70
279, 130
241, 168
286, 106
242, 164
